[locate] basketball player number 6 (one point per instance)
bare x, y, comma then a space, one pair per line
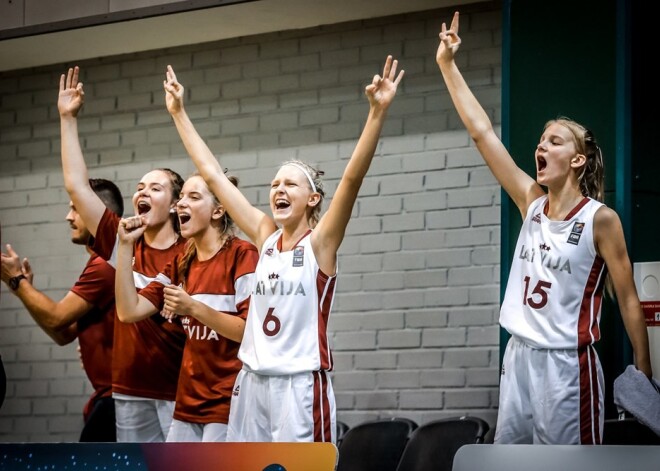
275, 320
539, 289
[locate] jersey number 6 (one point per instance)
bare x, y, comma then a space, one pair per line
275, 320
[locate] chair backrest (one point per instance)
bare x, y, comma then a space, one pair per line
628, 431
342, 428
375, 445
433, 445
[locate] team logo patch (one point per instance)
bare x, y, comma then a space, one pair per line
273, 276
298, 256
576, 233
545, 247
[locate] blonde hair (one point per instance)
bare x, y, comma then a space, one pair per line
592, 176
315, 176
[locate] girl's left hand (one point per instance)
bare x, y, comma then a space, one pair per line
173, 91
177, 301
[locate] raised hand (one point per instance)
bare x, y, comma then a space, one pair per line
173, 91
130, 229
72, 96
26, 268
11, 264
176, 301
449, 42
381, 90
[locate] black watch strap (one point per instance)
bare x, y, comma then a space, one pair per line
14, 281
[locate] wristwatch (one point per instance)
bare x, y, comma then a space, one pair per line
14, 281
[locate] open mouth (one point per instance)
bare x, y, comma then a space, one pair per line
184, 218
541, 164
143, 207
281, 204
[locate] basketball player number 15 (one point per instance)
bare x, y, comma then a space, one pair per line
540, 289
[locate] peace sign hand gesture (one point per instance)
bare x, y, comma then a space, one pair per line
381, 90
449, 42
173, 91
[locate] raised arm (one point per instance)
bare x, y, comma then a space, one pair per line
330, 230
76, 179
131, 307
522, 188
611, 246
55, 318
252, 221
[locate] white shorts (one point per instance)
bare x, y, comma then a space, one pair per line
284, 408
550, 396
189, 432
141, 419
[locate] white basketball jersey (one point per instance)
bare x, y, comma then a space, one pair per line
286, 328
553, 296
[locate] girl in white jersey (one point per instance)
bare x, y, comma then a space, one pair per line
551, 387
283, 392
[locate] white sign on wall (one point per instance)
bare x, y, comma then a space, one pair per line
647, 279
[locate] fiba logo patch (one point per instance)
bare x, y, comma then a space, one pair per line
298, 256
576, 233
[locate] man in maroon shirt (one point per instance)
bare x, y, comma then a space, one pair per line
86, 312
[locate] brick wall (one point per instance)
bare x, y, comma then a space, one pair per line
414, 327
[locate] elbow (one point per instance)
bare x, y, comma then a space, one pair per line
238, 334
123, 316
62, 341
481, 131
63, 334
58, 322
76, 191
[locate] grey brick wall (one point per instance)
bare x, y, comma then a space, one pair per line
414, 327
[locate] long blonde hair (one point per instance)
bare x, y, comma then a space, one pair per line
592, 176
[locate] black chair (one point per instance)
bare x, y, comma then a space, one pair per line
433, 445
628, 431
375, 445
342, 428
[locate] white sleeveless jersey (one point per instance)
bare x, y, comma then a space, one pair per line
553, 296
286, 327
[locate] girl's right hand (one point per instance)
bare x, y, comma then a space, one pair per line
131, 229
